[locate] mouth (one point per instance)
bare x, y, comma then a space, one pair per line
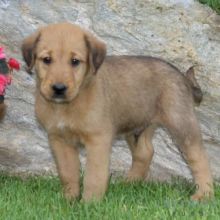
59, 99
59, 96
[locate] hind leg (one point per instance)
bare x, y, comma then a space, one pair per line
142, 153
197, 160
188, 136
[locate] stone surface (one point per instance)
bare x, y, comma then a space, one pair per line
183, 32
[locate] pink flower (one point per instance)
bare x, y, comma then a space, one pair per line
2, 54
4, 81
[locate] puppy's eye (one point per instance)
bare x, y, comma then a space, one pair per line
47, 60
75, 62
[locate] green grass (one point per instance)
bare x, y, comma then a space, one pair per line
214, 4
41, 198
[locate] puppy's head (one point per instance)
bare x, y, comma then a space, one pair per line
65, 57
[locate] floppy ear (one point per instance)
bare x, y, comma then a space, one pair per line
28, 50
97, 52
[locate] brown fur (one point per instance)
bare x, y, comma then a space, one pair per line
106, 97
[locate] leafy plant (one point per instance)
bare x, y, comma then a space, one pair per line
214, 4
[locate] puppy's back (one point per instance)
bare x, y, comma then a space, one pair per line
134, 86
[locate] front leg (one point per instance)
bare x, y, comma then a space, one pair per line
68, 165
98, 151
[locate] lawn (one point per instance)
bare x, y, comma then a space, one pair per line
41, 198
214, 4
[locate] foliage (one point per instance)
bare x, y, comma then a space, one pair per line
41, 198
214, 4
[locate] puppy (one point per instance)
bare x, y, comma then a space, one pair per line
84, 97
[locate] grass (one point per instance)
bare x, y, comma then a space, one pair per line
41, 198
214, 4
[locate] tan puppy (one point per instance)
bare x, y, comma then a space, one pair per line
82, 97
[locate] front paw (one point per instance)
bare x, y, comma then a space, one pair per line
71, 193
202, 195
134, 177
93, 195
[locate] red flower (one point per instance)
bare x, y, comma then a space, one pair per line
14, 64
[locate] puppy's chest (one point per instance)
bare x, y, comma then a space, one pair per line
71, 121
63, 123
57, 120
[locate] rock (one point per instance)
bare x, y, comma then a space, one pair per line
183, 32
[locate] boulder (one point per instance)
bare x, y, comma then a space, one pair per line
183, 32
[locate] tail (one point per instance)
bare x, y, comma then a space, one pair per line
196, 89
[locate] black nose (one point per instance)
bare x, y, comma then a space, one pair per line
59, 88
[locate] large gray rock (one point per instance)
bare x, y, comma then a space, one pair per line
183, 32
